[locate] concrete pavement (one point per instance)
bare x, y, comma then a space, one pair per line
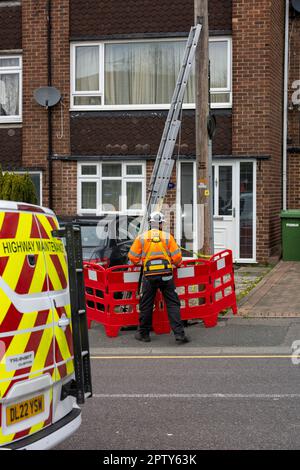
277, 295
231, 336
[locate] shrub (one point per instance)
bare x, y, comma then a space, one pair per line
18, 188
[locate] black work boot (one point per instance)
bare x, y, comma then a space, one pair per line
182, 339
142, 337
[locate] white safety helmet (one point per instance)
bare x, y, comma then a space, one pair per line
157, 217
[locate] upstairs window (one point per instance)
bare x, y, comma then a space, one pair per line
220, 72
10, 88
142, 74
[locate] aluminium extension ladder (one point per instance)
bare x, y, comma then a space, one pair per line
164, 162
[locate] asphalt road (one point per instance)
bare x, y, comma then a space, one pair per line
159, 403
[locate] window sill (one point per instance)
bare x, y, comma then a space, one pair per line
11, 122
141, 108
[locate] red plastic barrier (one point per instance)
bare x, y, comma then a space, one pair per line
222, 284
205, 288
95, 293
194, 289
122, 298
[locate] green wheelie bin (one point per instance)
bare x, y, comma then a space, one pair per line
290, 224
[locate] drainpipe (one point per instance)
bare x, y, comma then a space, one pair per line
50, 179
285, 107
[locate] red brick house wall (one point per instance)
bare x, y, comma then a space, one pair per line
293, 199
276, 123
258, 45
35, 75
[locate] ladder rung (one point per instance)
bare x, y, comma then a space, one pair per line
81, 312
84, 353
79, 270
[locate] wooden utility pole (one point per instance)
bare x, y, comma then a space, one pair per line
205, 235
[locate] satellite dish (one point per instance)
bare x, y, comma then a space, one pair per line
296, 5
47, 96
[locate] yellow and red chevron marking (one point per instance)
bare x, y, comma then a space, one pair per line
63, 345
20, 236
56, 262
58, 280
41, 342
32, 331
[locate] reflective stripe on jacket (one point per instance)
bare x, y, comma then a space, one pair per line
142, 244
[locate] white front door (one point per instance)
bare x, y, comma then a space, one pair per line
224, 178
234, 201
234, 194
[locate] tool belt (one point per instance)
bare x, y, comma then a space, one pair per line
157, 266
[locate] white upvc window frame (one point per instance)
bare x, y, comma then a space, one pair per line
228, 89
98, 178
100, 91
13, 69
137, 107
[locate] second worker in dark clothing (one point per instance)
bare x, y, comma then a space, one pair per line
158, 251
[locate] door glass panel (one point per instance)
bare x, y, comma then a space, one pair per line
187, 199
225, 190
246, 210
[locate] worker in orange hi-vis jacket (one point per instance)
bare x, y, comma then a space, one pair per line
157, 251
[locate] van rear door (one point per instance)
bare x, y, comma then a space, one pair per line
27, 340
57, 279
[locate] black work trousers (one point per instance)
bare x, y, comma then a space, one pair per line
167, 288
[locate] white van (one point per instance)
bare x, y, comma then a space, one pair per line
37, 406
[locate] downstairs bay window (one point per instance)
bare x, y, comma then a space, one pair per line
105, 188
